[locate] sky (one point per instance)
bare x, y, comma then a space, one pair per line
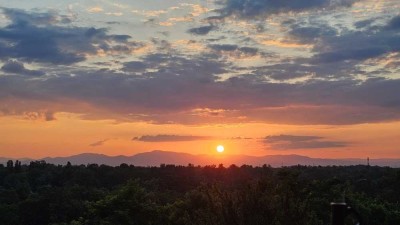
319, 78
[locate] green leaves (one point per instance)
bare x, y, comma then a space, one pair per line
42, 194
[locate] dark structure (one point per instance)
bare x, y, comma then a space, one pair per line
341, 210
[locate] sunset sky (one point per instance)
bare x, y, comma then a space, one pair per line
319, 78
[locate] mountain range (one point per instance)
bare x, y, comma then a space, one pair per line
157, 157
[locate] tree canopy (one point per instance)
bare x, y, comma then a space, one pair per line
42, 193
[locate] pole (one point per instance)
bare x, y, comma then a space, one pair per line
339, 212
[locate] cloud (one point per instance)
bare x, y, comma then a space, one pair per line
33, 37
241, 138
224, 47
150, 13
42, 115
134, 66
285, 71
311, 33
197, 10
337, 52
201, 30
364, 23
355, 45
315, 79
114, 14
95, 9
283, 142
98, 143
258, 8
394, 23
234, 50
176, 89
205, 87
16, 67
169, 138
36, 18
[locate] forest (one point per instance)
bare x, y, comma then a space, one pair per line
42, 193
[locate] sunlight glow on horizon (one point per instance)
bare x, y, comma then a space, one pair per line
216, 78
220, 149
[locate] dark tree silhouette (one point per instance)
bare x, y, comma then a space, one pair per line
42, 193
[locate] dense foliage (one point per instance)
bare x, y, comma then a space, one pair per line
41, 193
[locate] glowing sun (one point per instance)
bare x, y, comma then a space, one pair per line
220, 148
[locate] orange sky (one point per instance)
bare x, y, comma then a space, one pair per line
69, 135
314, 78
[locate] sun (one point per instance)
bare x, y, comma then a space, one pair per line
220, 148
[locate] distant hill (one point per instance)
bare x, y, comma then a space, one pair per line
155, 158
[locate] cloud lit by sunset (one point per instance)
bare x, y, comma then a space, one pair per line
313, 78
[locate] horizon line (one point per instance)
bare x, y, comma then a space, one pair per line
214, 155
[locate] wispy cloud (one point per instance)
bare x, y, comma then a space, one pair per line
203, 30
15, 67
95, 9
283, 142
169, 138
98, 143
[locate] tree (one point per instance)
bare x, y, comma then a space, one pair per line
130, 205
10, 164
17, 165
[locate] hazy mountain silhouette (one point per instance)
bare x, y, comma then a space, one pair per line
155, 158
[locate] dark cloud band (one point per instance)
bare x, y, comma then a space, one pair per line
282, 142
169, 138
